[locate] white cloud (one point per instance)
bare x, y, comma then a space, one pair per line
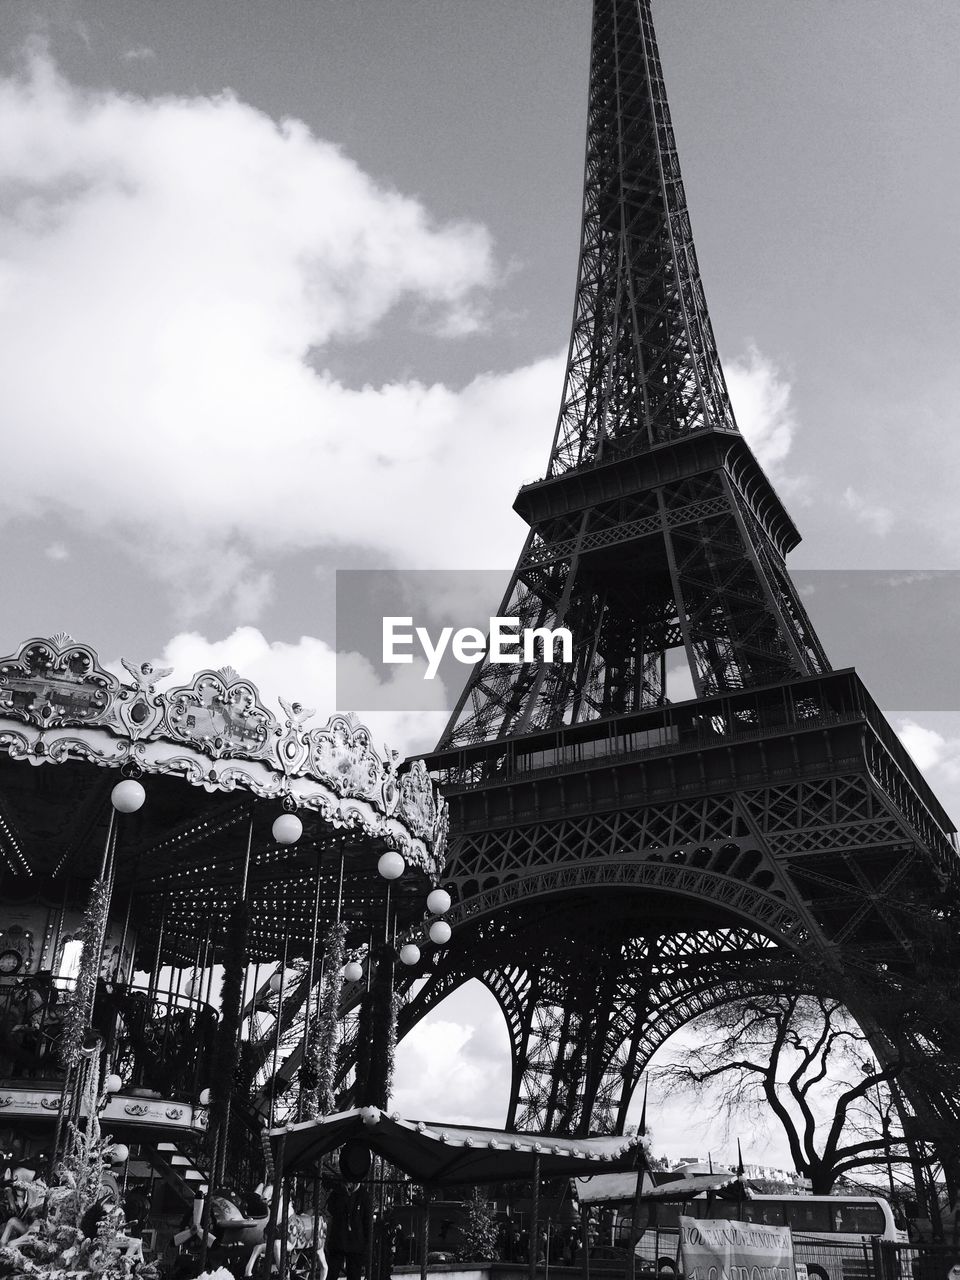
57, 551
931, 750
878, 519
168, 266
306, 672
761, 401
455, 1063
142, 53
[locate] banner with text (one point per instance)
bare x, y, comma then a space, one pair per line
719, 1249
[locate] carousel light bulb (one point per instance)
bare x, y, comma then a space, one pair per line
287, 829
440, 932
409, 953
204, 1097
119, 1154
370, 1115
276, 982
128, 796
438, 902
112, 1083
391, 865
353, 971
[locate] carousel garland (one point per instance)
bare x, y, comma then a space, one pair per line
320, 1099
391, 1044
77, 1019
76, 1227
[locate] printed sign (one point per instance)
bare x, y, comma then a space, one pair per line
720, 1249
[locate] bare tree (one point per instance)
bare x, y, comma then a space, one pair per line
805, 1059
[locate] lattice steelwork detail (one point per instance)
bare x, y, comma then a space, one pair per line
621, 862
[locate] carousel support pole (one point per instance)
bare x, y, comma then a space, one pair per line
54, 953
271, 1233
632, 1260
253, 1019
425, 1232
123, 942
585, 1242
210, 954
108, 844
285, 1233
308, 1020
315, 1239
154, 983
168, 1018
371, 1221
199, 967
535, 1218
276, 1038
232, 1015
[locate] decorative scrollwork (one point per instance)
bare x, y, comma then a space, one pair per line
341, 755
215, 733
222, 715
56, 682
418, 800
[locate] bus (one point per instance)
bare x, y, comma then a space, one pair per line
831, 1234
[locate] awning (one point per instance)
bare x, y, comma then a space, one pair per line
613, 1188
434, 1152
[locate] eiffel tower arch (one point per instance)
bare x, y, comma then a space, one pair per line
621, 862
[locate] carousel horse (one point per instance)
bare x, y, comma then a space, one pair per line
299, 1228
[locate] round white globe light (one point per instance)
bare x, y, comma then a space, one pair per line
353, 971
370, 1115
112, 1083
391, 865
409, 953
128, 796
287, 829
438, 902
276, 982
204, 1097
440, 932
119, 1154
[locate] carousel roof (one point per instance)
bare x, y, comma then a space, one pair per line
432, 1151
218, 766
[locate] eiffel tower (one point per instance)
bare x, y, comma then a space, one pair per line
621, 863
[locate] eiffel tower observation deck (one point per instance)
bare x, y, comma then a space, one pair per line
621, 862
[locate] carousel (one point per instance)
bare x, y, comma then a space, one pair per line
204, 906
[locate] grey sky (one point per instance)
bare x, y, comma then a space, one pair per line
818, 143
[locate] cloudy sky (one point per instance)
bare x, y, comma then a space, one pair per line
286, 289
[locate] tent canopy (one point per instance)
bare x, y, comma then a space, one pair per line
613, 1188
433, 1152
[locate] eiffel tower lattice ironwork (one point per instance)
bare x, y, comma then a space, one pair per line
621, 862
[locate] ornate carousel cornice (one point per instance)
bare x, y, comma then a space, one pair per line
59, 704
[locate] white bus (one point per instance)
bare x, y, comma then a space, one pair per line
830, 1231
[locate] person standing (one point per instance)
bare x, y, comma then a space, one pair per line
348, 1207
